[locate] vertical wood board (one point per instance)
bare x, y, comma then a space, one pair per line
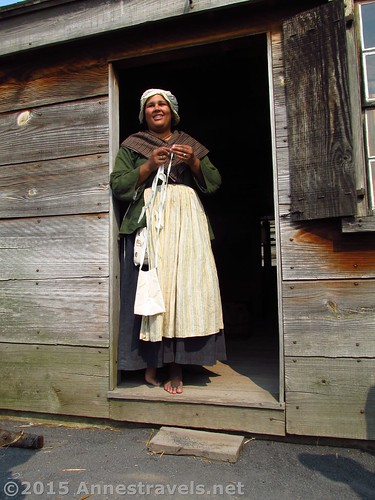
318, 105
114, 224
355, 90
278, 127
280, 116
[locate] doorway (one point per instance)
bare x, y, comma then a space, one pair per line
223, 94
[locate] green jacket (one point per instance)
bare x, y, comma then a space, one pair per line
124, 177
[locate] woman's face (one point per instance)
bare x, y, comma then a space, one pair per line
158, 114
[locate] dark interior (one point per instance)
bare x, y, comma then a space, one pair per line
223, 94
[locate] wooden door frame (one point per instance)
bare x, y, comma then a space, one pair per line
114, 303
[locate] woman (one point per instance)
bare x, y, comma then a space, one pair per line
191, 329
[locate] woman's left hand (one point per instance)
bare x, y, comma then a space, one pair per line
184, 153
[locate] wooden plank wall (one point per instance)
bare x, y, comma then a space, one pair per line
56, 223
54, 235
328, 285
87, 19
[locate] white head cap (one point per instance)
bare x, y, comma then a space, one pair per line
168, 96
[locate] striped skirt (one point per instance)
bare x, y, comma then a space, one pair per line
181, 250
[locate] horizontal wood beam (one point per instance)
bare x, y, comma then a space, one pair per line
330, 397
315, 250
30, 28
200, 416
63, 380
358, 224
54, 312
330, 318
63, 130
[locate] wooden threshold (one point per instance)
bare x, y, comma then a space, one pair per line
249, 380
240, 395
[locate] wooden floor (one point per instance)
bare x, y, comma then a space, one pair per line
250, 378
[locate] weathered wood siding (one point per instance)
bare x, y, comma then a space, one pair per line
60, 380
328, 312
56, 108
207, 416
94, 17
54, 235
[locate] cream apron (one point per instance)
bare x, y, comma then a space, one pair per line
186, 269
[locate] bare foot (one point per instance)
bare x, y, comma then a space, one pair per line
174, 385
150, 377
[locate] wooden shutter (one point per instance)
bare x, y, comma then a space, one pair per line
318, 110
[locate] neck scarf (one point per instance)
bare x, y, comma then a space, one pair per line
145, 142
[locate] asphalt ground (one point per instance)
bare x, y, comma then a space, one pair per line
82, 461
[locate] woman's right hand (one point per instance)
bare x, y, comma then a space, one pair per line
158, 157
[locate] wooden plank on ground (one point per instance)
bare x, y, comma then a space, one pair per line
330, 397
329, 318
40, 248
55, 187
211, 445
60, 380
59, 131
